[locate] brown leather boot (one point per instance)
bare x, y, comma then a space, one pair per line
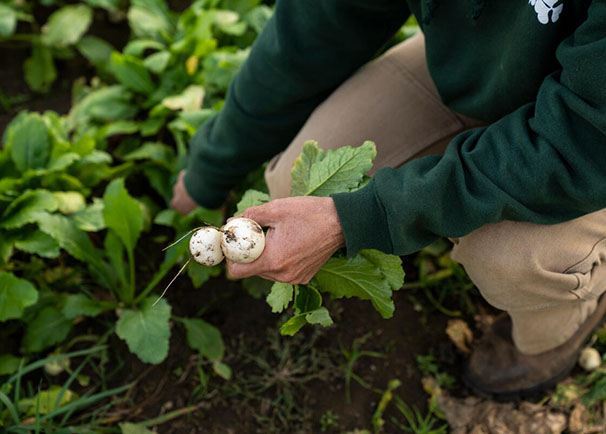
496, 368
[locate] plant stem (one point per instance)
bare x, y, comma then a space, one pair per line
438, 306
131, 288
157, 278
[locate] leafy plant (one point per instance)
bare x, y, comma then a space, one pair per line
416, 422
370, 275
429, 367
58, 37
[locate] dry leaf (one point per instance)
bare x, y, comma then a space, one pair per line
477, 416
578, 419
459, 333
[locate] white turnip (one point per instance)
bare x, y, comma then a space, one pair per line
590, 359
205, 246
243, 240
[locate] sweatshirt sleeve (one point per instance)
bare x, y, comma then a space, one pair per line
543, 163
305, 51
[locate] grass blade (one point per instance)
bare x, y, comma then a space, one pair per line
40, 363
11, 408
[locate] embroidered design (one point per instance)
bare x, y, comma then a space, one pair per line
547, 10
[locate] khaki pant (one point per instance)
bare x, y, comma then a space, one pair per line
548, 278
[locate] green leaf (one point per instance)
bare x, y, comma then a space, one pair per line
280, 296
30, 147
119, 127
62, 162
160, 180
27, 208
319, 316
158, 152
310, 155
70, 201
222, 370
252, 198
106, 104
48, 328
96, 50
110, 5
240, 6
15, 295
9, 364
151, 126
7, 241
157, 62
131, 73
146, 330
340, 170
189, 100
307, 299
114, 250
45, 401
134, 428
70, 238
356, 277
67, 25
8, 20
150, 19
220, 67
293, 325
389, 265
80, 305
200, 274
257, 287
138, 46
90, 219
39, 69
258, 17
122, 214
39, 243
204, 338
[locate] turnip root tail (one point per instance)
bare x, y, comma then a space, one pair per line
171, 282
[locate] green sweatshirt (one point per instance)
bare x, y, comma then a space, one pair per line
535, 72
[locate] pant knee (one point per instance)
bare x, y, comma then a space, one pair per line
517, 269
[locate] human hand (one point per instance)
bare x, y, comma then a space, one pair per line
303, 233
181, 200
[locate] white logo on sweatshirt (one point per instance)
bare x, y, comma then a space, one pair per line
547, 9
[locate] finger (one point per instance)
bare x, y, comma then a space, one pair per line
240, 271
266, 214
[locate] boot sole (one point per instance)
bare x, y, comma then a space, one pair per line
520, 394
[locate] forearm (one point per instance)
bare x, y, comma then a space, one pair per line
300, 57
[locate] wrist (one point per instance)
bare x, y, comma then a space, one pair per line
337, 236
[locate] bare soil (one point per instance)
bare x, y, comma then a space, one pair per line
286, 384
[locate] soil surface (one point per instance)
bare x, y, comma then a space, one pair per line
286, 384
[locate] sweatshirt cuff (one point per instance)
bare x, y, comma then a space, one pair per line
202, 192
363, 220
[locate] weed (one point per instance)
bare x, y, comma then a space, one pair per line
417, 423
429, 367
276, 380
352, 357
329, 420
